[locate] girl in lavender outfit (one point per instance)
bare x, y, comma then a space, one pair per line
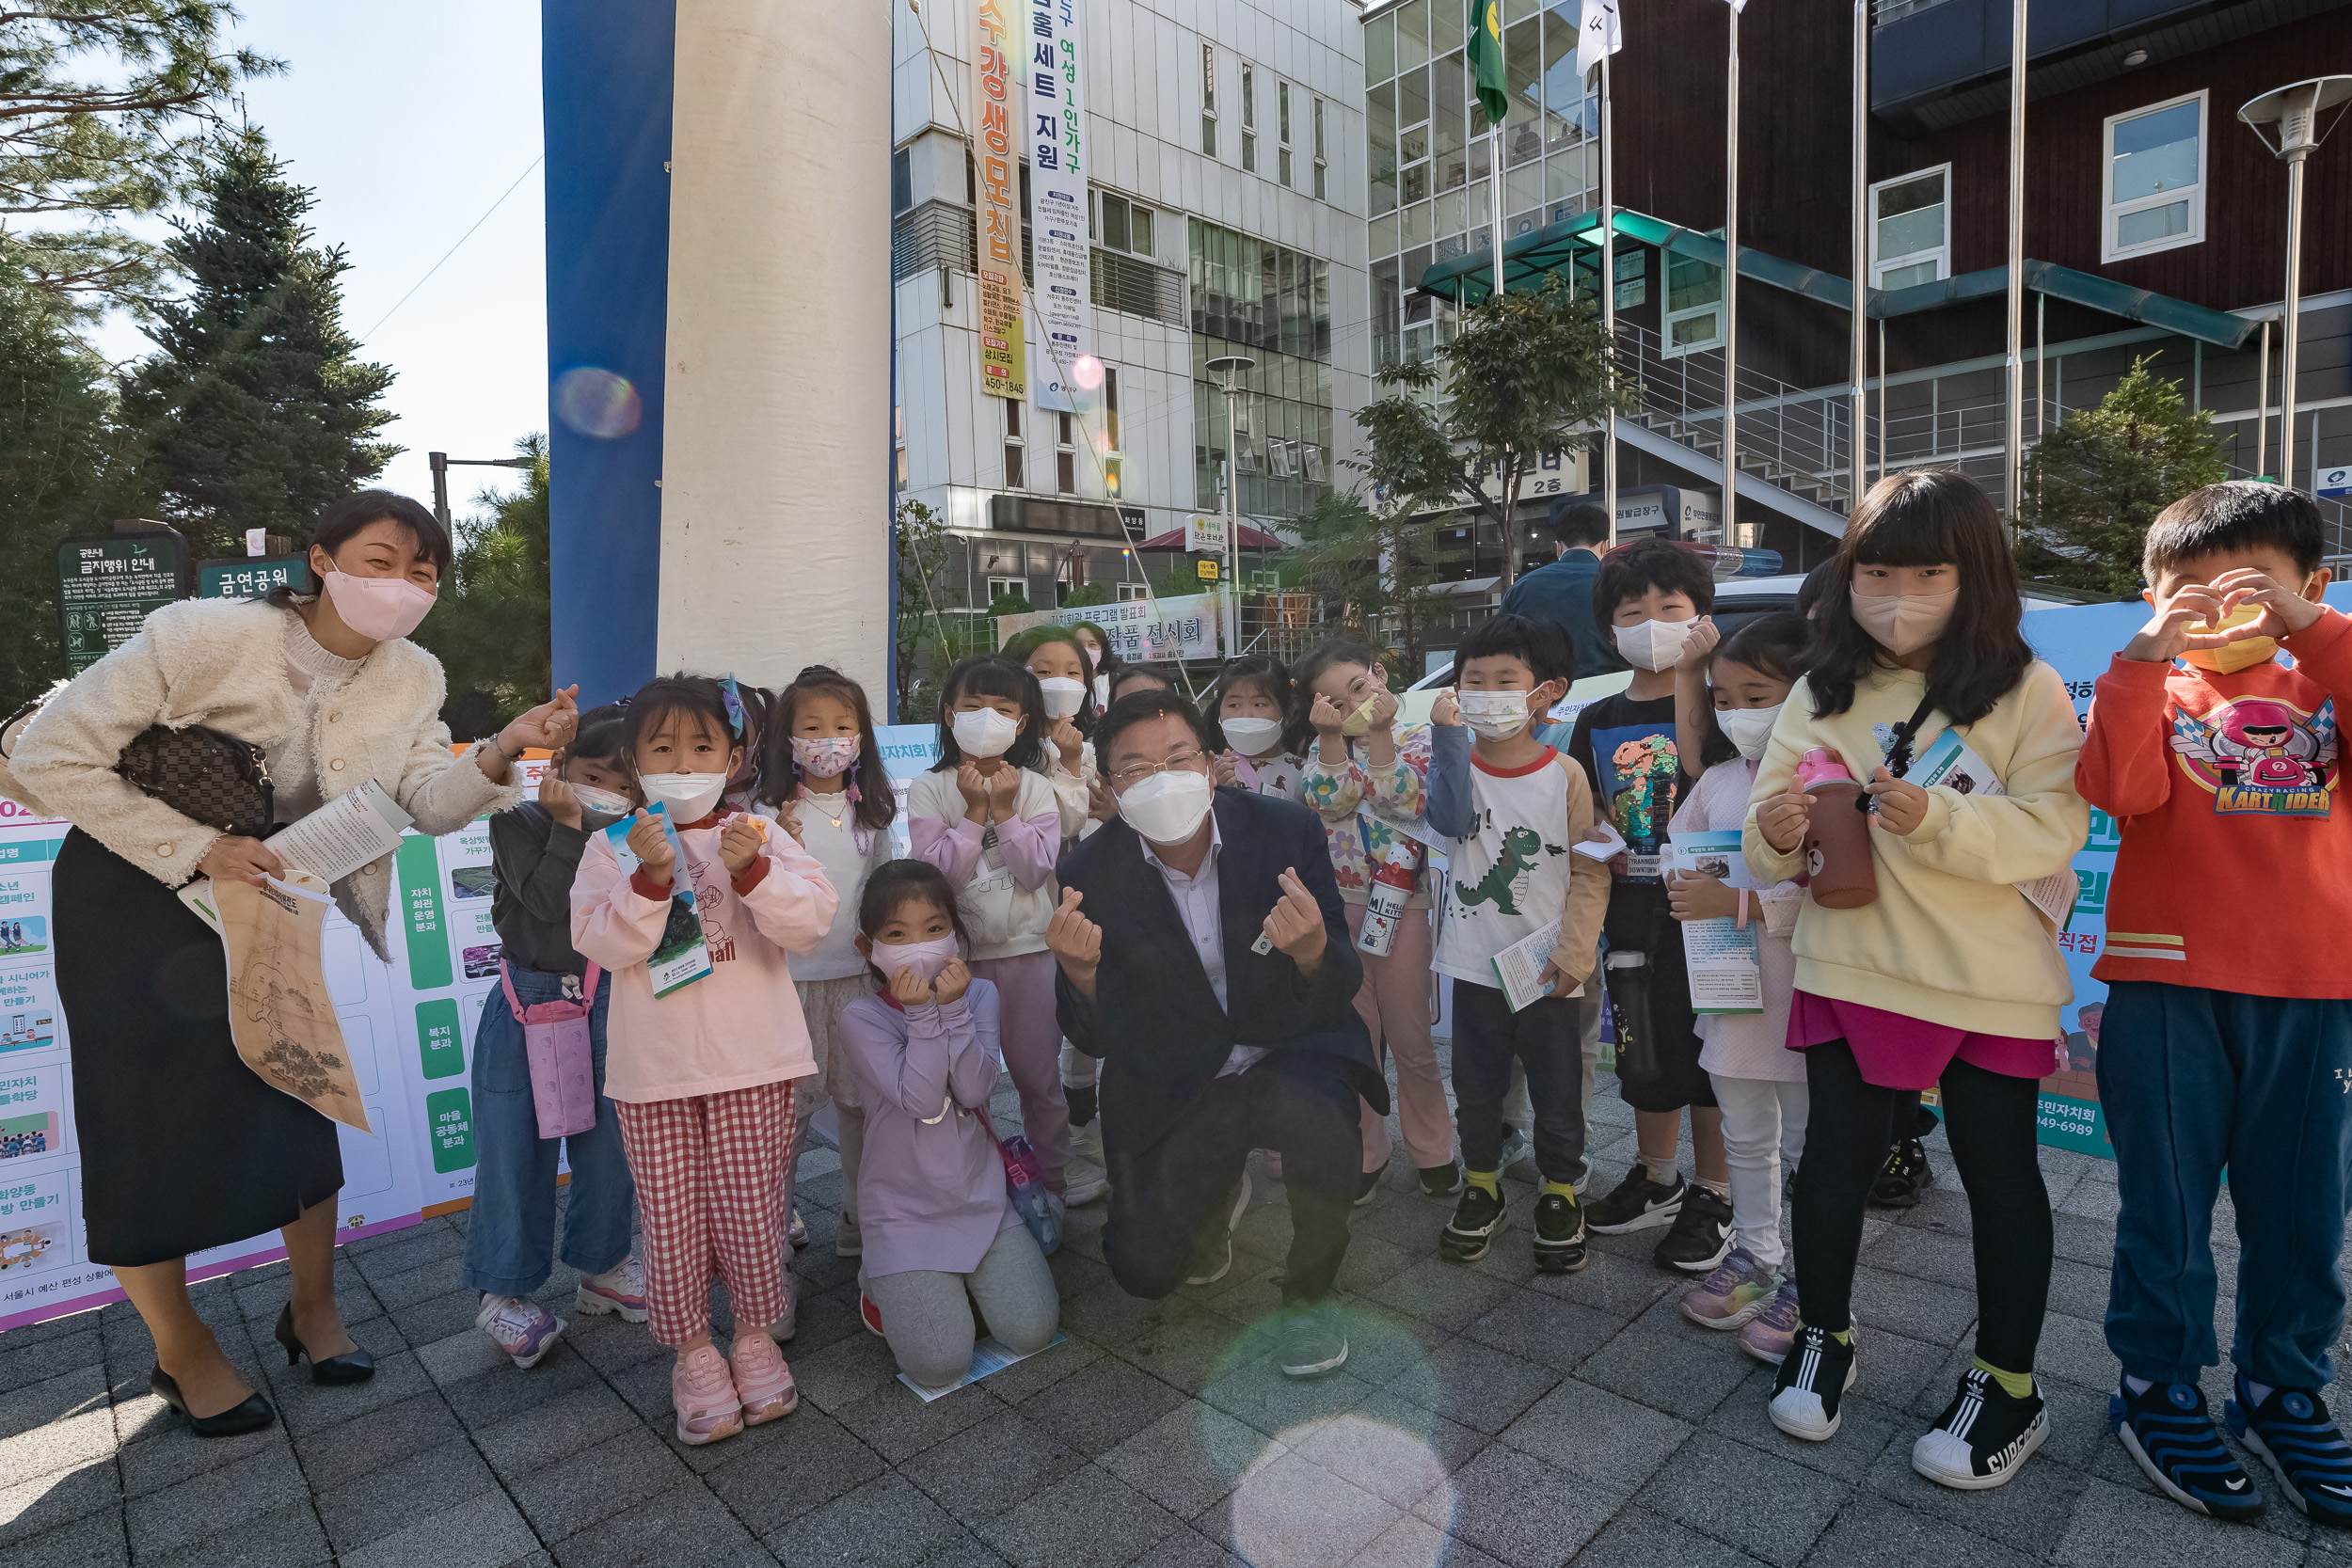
940, 1230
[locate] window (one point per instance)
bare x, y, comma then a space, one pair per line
899, 439
1012, 444
1124, 225
1110, 410
1208, 101
2156, 178
1133, 591
1322, 190
1007, 588
901, 180
1282, 129
1249, 121
1694, 306
1112, 477
1143, 232
1910, 230
1065, 458
1412, 140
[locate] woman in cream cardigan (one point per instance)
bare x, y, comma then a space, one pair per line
184, 1147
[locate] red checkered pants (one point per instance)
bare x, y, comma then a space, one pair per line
708, 1171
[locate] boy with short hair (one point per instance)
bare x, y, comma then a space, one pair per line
1651, 594
2227, 1036
1514, 807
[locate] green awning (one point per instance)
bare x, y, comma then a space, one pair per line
1528, 258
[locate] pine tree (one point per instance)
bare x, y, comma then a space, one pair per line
2093, 485
492, 630
254, 411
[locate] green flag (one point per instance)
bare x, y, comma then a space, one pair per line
1485, 59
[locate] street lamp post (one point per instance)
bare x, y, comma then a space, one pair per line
1230, 368
2295, 109
442, 462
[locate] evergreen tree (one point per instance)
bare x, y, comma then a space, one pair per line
254, 411
2093, 485
492, 630
65, 471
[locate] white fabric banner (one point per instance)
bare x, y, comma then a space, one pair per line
1599, 34
1055, 138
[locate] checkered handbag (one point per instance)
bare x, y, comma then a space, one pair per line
204, 775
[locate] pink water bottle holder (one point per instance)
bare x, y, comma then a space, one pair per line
561, 1057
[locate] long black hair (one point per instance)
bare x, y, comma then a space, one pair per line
894, 883
1028, 643
1772, 645
877, 803
1268, 675
1927, 517
664, 695
993, 675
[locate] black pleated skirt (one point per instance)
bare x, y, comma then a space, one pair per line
183, 1147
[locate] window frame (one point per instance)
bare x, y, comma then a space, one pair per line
1322, 185
1667, 318
1128, 591
2112, 211
1940, 255
1208, 100
1002, 587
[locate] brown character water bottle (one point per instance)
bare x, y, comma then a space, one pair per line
1838, 833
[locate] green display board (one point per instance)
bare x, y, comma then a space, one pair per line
251, 577
105, 588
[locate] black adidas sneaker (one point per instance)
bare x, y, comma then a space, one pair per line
2291, 1432
2168, 1430
1560, 1234
1471, 1230
1984, 1437
1812, 1383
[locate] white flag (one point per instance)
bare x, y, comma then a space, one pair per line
1597, 35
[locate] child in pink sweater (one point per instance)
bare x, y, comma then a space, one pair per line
701, 1059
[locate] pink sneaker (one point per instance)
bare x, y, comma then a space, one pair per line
762, 1381
1769, 1335
620, 1289
704, 1393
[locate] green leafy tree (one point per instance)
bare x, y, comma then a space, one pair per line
256, 411
107, 107
1368, 555
923, 638
492, 628
2093, 485
66, 470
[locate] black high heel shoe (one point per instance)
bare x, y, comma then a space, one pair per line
356, 1367
252, 1415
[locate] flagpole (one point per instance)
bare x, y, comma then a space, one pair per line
1609, 293
2014, 430
1857, 406
1731, 282
1494, 182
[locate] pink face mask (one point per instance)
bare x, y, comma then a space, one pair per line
378, 607
926, 959
825, 756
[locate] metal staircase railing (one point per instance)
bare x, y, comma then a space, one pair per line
1797, 439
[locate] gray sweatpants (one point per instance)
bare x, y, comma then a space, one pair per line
927, 1313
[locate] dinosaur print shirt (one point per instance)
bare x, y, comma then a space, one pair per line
1627, 750
1509, 876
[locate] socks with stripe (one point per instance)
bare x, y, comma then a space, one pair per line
2017, 1386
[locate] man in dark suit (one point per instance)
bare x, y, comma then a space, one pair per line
1203, 956
1562, 590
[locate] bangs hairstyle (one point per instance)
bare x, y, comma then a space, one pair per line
896, 884
2237, 514
1028, 643
1543, 646
877, 802
1112, 662
1927, 517
344, 519
1633, 570
1270, 679
1772, 645
992, 675
601, 736
664, 695
1320, 659
1140, 707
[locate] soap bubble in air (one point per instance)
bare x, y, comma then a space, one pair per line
598, 403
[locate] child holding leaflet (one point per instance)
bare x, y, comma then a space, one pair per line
2227, 1037
942, 1231
1949, 973
702, 1073
825, 785
535, 853
987, 815
1727, 697
1514, 807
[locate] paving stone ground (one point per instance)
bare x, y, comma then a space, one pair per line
1486, 1416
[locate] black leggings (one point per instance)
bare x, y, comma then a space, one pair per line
1991, 1117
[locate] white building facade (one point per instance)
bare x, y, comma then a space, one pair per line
1223, 150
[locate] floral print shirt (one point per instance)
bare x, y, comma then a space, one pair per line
1354, 798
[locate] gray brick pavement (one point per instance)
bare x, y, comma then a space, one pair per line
1487, 1417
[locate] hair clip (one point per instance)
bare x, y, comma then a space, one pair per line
734, 700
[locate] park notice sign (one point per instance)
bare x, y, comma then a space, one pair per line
107, 587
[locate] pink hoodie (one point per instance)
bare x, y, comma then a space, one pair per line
740, 1024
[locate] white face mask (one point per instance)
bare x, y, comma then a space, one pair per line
1748, 728
983, 732
689, 797
601, 808
1167, 808
926, 959
1494, 715
1653, 644
1251, 736
1905, 623
1062, 696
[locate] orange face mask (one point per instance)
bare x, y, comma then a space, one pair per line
2231, 657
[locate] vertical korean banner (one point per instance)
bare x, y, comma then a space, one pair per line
1056, 127
997, 34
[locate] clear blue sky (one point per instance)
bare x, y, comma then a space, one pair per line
408, 119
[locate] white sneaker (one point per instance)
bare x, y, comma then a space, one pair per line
1084, 1181
525, 1330
620, 1289
1085, 1143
